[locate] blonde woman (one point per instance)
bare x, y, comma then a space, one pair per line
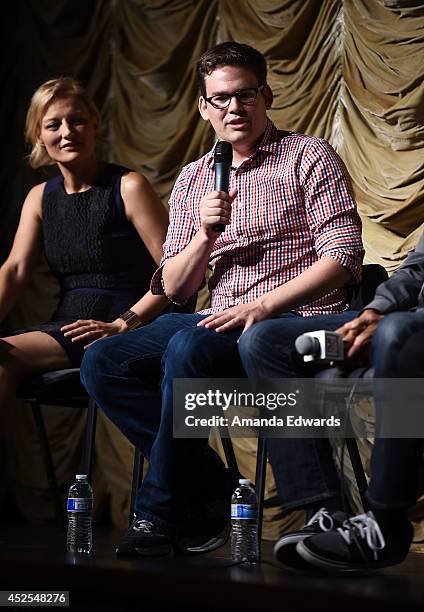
101, 228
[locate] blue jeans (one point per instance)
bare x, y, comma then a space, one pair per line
123, 374
304, 469
396, 463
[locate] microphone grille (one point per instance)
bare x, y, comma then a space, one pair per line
306, 345
223, 152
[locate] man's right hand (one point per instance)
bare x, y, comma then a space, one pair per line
215, 209
358, 333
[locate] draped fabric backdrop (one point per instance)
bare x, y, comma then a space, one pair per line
350, 71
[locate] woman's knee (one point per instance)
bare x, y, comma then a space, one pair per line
8, 373
11, 369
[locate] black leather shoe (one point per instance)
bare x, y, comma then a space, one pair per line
145, 539
205, 531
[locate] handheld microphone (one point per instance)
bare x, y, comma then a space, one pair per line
222, 159
323, 346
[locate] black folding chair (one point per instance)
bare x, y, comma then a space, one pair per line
360, 295
372, 276
59, 388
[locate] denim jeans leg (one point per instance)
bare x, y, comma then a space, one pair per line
197, 352
397, 352
303, 468
122, 373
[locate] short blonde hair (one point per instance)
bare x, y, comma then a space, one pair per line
62, 87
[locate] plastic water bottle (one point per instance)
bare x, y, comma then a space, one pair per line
80, 512
244, 523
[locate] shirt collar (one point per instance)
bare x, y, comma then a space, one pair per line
270, 139
268, 142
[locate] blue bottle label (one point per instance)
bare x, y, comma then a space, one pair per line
243, 511
78, 504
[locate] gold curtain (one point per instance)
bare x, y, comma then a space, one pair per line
350, 71
155, 122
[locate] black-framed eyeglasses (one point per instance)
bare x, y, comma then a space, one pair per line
245, 96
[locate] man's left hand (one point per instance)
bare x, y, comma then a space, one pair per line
244, 315
357, 334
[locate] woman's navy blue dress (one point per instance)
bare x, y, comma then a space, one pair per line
96, 254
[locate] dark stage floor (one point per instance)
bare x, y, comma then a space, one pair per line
33, 557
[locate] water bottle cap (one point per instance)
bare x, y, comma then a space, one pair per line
245, 481
81, 476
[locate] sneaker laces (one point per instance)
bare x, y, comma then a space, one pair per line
364, 527
323, 518
142, 525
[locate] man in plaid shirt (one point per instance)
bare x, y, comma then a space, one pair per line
292, 241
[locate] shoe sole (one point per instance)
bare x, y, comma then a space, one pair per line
288, 540
208, 546
159, 551
299, 566
340, 567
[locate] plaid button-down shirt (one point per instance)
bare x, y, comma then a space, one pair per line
294, 205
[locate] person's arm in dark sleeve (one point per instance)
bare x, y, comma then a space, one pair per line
401, 291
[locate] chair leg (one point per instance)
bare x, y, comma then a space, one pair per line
90, 433
230, 456
260, 477
136, 480
48, 463
358, 470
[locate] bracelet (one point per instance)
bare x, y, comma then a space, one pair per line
131, 319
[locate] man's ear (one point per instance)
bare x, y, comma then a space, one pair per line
203, 108
268, 96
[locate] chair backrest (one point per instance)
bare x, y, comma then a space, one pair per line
372, 276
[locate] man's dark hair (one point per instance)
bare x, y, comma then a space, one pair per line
230, 54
